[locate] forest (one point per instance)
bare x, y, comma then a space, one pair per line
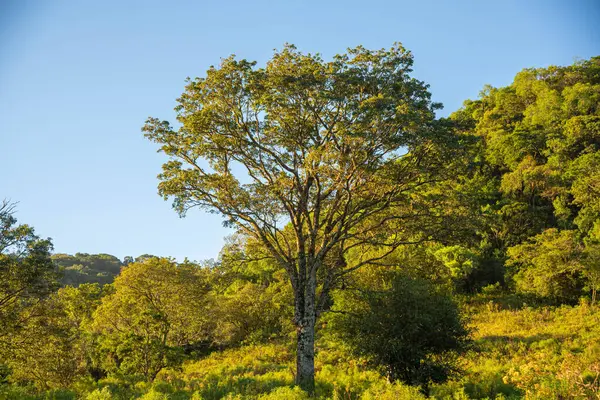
379, 251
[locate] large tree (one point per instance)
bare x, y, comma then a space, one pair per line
313, 158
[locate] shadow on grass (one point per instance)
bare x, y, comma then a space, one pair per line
521, 339
505, 301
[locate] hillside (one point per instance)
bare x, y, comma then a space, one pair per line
87, 268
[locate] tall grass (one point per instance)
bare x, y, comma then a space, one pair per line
518, 352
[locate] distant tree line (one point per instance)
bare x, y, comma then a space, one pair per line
91, 268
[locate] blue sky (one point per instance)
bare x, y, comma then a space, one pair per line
79, 78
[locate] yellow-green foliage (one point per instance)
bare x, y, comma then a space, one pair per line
267, 372
157, 306
250, 371
543, 353
100, 394
528, 353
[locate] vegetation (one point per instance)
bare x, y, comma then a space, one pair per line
543, 352
87, 268
530, 352
27, 274
142, 323
397, 279
407, 330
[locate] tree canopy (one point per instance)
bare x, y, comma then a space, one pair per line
537, 170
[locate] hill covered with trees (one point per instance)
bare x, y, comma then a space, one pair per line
87, 268
91, 268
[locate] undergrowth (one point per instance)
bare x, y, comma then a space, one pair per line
520, 352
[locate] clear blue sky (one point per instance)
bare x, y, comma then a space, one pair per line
79, 78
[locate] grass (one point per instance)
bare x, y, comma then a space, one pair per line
532, 353
518, 352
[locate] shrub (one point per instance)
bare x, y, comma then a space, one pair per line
408, 329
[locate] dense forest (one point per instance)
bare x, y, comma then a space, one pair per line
379, 252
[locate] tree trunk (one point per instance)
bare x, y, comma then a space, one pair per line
305, 316
305, 357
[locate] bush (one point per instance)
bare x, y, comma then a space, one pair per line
409, 329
